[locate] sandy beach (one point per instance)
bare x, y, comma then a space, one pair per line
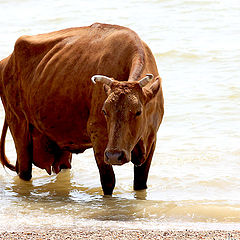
106, 233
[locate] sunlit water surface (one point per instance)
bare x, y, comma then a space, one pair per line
194, 178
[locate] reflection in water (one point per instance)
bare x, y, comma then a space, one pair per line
44, 188
57, 195
141, 194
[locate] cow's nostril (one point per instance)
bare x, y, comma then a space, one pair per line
121, 156
107, 155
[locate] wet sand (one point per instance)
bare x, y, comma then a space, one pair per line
107, 233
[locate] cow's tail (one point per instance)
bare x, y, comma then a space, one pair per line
3, 157
1, 72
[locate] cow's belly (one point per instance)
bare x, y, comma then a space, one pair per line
64, 122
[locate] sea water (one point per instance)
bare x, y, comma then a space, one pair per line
195, 173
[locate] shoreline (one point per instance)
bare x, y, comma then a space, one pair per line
121, 233
123, 230
92, 227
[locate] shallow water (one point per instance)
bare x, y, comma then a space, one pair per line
194, 176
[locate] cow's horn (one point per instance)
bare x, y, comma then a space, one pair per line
102, 79
144, 81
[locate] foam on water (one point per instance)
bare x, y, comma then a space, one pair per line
194, 178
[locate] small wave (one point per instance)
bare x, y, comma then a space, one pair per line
179, 54
196, 3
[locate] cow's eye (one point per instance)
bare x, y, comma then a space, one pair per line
138, 113
104, 112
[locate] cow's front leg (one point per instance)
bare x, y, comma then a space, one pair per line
99, 142
141, 172
22, 140
107, 176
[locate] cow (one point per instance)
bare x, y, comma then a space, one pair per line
86, 87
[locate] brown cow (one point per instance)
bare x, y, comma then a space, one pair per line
53, 108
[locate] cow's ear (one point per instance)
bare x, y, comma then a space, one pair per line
107, 89
153, 89
155, 86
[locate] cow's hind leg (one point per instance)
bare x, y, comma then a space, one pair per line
22, 140
141, 172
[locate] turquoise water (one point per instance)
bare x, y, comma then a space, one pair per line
194, 178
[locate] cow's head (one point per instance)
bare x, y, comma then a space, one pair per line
126, 115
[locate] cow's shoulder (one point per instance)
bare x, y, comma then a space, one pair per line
27, 46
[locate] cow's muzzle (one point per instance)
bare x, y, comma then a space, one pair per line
115, 157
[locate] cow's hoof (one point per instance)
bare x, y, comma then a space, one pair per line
107, 194
26, 176
107, 191
140, 186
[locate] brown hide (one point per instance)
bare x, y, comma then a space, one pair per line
53, 109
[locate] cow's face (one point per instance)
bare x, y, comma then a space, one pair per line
124, 111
